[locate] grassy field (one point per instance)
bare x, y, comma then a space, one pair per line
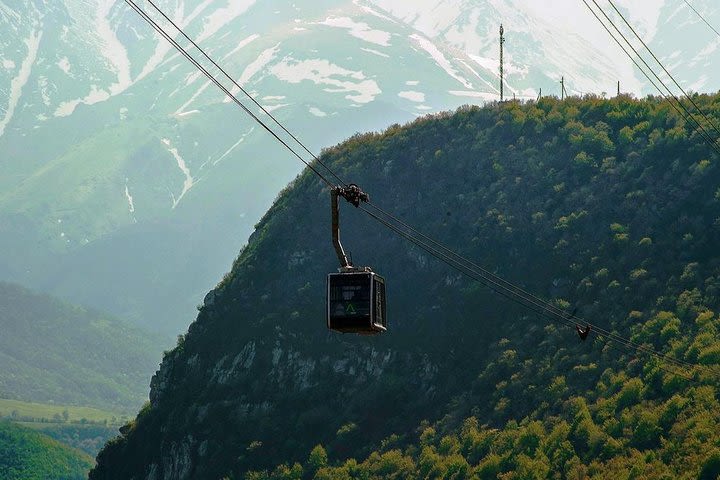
36, 412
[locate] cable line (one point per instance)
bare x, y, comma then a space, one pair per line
245, 92
664, 69
702, 18
202, 69
436, 249
510, 290
541, 308
556, 311
610, 343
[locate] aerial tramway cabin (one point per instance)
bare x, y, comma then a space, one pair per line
355, 295
356, 302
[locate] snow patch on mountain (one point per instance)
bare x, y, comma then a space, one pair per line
267, 56
703, 54
359, 30
222, 16
131, 204
32, 42
272, 108
96, 95
244, 42
111, 48
474, 94
317, 112
8, 64
439, 58
162, 46
374, 12
375, 52
412, 95
479, 77
44, 90
489, 64
427, 16
185, 114
9, 14
189, 181
359, 89
235, 145
699, 84
492, 65
192, 77
64, 65
114, 54
161, 50
469, 35
195, 95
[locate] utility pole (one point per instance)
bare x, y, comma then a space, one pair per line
618, 88
562, 88
502, 40
539, 94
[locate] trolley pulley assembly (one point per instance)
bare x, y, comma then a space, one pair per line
355, 295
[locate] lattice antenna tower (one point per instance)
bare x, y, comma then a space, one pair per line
502, 40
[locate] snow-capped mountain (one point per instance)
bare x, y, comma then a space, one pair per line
126, 177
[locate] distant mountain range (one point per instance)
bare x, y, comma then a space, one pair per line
129, 183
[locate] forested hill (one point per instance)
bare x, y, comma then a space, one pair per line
29, 455
608, 206
53, 352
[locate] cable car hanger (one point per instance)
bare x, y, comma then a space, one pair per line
354, 195
355, 295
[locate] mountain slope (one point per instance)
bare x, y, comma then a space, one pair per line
53, 352
28, 455
609, 206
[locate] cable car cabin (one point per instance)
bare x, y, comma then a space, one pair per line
356, 302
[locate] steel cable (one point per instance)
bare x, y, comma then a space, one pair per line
227, 92
436, 249
679, 107
702, 18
